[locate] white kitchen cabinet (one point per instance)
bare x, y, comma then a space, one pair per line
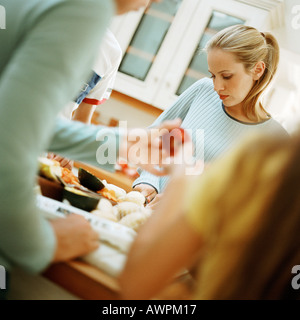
162, 44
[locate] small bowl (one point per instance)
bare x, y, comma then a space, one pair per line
51, 189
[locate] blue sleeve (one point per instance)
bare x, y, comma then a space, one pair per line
45, 70
96, 145
181, 106
179, 109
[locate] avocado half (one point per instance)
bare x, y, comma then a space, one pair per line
80, 199
49, 169
90, 181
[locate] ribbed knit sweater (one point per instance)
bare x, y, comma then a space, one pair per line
213, 130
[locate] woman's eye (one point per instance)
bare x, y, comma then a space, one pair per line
212, 76
227, 78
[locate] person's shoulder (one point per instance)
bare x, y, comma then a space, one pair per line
205, 84
109, 54
110, 46
278, 128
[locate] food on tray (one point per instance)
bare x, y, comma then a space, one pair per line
134, 196
119, 192
81, 199
89, 193
105, 215
105, 205
49, 169
90, 181
109, 194
134, 220
69, 177
126, 207
52, 170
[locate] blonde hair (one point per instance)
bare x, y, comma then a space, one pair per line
253, 238
250, 46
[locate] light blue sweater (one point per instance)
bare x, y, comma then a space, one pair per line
46, 52
200, 107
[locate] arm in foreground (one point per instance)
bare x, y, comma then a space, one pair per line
26, 238
164, 246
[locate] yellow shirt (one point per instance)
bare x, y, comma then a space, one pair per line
226, 205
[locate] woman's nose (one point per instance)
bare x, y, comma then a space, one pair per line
218, 85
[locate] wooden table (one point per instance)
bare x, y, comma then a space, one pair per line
83, 280
90, 283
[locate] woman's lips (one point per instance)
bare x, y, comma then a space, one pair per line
222, 97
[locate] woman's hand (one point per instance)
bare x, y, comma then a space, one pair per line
155, 203
148, 191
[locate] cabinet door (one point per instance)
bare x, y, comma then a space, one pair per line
149, 40
189, 63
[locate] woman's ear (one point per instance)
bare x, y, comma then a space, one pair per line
258, 70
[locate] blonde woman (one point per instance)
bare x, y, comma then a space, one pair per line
242, 62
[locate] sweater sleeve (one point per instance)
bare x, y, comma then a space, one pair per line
43, 73
178, 110
96, 145
181, 106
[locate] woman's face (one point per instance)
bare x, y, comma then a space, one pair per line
231, 81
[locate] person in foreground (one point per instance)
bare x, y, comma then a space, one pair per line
236, 228
242, 62
39, 73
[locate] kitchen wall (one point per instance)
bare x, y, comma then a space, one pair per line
120, 107
284, 98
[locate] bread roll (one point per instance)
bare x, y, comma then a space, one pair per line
119, 192
134, 220
105, 215
135, 196
126, 207
105, 205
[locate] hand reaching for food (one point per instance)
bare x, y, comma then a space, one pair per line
148, 191
154, 204
64, 162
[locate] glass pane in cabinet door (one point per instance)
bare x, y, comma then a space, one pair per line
198, 67
148, 38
